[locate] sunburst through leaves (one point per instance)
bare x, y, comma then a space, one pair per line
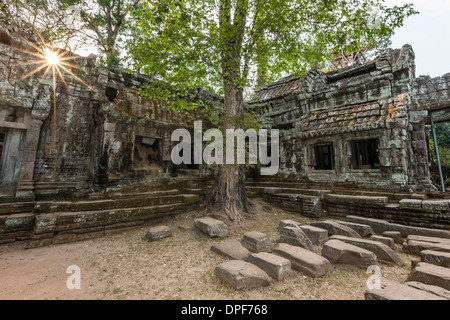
55, 62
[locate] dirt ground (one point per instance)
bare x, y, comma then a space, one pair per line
125, 266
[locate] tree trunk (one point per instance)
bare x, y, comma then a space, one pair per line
228, 194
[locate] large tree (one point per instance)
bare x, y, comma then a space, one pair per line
230, 45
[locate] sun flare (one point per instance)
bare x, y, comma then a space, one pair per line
51, 57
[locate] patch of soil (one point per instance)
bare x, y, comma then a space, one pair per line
125, 266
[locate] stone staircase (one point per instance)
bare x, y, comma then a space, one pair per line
46, 222
317, 201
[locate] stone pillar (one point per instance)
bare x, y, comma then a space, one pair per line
25, 186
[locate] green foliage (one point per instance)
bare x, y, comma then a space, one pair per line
191, 43
443, 139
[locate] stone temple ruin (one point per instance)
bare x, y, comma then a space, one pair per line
353, 142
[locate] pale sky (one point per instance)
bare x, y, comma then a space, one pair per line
429, 35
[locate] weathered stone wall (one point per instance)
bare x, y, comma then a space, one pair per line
375, 101
87, 140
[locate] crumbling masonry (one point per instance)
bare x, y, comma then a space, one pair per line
353, 140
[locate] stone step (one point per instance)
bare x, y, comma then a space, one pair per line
56, 228
16, 207
96, 205
281, 190
335, 228
375, 201
382, 251
392, 290
303, 260
338, 252
431, 274
379, 226
436, 257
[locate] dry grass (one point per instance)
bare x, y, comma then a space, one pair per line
125, 266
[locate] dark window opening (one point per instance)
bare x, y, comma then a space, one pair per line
324, 157
365, 154
147, 153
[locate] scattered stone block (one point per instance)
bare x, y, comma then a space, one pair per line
435, 257
338, 252
158, 233
232, 249
363, 230
431, 274
396, 235
414, 263
212, 227
304, 260
391, 290
428, 239
296, 237
441, 292
387, 241
380, 226
242, 275
288, 223
335, 228
275, 266
317, 236
256, 241
382, 251
415, 247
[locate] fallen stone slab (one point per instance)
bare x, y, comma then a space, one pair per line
296, 237
335, 228
436, 257
428, 239
441, 292
338, 252
256, 241
382, 251
379, 226
212, 227
275, 266
304, 260
158, 233
392, 290
363, 230
240, 275
396, 235
387, 241
415, 247
288, 223
431, 274
318, 236
232, 249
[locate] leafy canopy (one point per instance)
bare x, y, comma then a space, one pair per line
186, 43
